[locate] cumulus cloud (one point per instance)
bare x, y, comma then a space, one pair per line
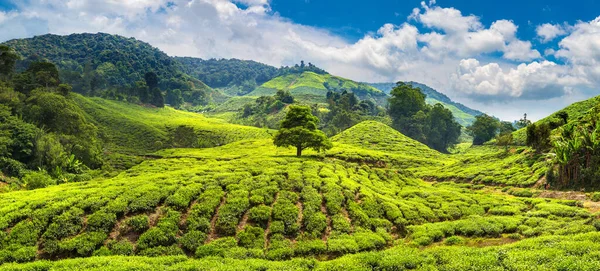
547, 32
437, 45
465, 36
581, 48
534, 81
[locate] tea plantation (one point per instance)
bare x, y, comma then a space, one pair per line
248, 205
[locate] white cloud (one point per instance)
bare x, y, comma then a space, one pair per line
534, 81
465, 36
520, 50
547, 32
581, 48
448, 39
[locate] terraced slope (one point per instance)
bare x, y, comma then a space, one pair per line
312, 87
144, 129
249, 199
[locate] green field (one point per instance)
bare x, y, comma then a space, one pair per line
375, 200
311, 87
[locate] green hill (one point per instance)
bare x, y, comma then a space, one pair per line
250, 203
96, 62
577, 112
312, 87
233, 76
464, 115
375, 135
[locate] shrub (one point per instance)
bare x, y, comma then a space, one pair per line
315, 224
342, 244
83, 244
595, 196
216, 247
25, 233
252, 237
66, 224
161, 251
277, 227
192, 240
198, 224
310, 247
122, 247
138, 223
368, 240
38, 179
280, 254
155, 237
454, 240
101, 221
340, 223
260, 215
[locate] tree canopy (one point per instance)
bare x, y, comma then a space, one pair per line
432, 125
483, 129
299, 130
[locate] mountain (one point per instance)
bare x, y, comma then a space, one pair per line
94, 62
312, 87
233, 76
463, 114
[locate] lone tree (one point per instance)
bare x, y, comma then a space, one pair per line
483, 129
299, 129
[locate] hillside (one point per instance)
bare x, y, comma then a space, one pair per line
312, 87
95, 62
233, 76
463, 114
254, 204
577, 112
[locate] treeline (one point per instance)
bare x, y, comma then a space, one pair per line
238, 77
344, 111
222, 73
432, 125
45, 137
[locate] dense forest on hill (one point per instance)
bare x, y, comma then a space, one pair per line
109, 65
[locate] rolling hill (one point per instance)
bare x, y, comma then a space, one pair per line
91, 62
312, 87
463, 114
249, 203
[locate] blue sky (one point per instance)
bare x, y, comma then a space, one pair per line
502, 57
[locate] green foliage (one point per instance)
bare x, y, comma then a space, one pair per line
241, 75
138, 223
251, 237
260, 215
299, 129
432, 125
37, 179
101, 221
483, 129
465, 116
192, 240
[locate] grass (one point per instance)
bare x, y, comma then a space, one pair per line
460, 116
139, 130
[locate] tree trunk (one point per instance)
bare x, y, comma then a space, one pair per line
298, 151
